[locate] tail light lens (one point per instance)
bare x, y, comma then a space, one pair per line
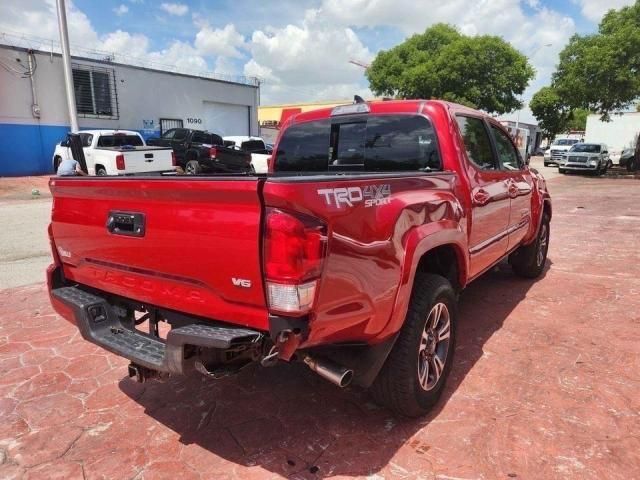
120, 162
174, 160
213, 152
294, 251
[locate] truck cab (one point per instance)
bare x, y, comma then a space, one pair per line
348, 255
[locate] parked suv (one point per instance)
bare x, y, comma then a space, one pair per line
586, 157
558, 148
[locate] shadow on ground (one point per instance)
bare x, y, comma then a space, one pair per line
289, 421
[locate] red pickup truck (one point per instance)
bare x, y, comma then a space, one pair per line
348, 256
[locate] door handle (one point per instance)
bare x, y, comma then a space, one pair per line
481, 197
513, 190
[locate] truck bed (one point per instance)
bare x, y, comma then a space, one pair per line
203, 238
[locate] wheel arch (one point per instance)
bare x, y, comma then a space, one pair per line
431, 255
438, 247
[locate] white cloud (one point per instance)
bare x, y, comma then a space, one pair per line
121, 10
181, 55
29, 16
595, 9
178, 9
309, 61
225, 41
136, 45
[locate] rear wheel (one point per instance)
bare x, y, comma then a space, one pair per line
412, 378
192, 167
528, 261
101, 171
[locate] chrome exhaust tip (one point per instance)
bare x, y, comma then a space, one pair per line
336, 374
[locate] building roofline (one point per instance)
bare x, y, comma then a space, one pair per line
126, 65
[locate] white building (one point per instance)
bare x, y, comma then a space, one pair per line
33, 109
619, 133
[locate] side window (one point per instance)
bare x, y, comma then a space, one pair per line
86, 139
401, 143
168, 135
508, 155
180, 134
476, 142
200, 137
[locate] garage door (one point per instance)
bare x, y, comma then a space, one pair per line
226, 119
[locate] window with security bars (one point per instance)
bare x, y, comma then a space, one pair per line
95, 91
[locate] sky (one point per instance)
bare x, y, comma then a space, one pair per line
300, 49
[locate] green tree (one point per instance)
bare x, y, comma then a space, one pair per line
578, 119
601, 72
552, 113
483, 71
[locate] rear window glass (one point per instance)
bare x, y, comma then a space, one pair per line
304, 147
208, 138
586, 148
401, 143
252, 145
119, 141
375, 143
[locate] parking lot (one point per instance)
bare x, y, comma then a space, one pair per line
545, 383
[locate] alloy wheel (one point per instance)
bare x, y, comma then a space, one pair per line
434, 346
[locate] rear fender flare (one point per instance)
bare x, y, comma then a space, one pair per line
418, 242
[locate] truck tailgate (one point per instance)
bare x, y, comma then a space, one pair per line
145, 159
198, 250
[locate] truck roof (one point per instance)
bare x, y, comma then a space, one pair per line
110, 132
388, 106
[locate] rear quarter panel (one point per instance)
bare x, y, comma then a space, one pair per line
372, 249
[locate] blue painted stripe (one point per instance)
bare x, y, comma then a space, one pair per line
28, 149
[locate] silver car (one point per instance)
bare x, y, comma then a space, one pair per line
585, 157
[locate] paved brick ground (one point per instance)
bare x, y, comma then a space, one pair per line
546, 384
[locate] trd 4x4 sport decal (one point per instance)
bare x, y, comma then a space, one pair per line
371, 195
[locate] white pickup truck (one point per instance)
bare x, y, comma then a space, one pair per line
117, 152
260, 153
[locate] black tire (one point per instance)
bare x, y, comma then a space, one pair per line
528, 261
192, 167
398, 386
546, 164
561, 170
101, 171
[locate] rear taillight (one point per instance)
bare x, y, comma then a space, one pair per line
120, 162
213, 152
174, 160
294, 250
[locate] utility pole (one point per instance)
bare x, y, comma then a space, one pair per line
66, 63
